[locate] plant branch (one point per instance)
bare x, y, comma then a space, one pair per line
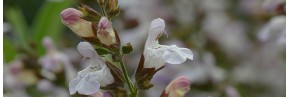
132, 90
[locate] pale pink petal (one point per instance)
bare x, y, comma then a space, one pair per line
73, 85
87, 50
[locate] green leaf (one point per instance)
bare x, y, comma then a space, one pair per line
15, 17
48, 22
102, 50
8, 50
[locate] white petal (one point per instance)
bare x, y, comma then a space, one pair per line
153, 58
157, 26
88, 86
97, 64
104, 76
73, 84
87, 50
173, 57
187, 53
264, 33
176, 55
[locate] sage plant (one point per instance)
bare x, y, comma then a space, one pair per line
104, 54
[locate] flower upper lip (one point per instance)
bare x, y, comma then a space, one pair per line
162, 53
70, 15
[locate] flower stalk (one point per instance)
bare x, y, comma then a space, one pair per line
128, 81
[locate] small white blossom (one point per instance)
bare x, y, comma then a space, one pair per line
274, 30
156, 55
55, 61
90, 79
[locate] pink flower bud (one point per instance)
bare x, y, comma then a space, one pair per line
274, 5
104, 23
232, 92
48, 44
16, 66
72, 18
107, 94
178, 87
106, 33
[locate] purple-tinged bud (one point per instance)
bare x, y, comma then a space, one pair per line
276, 6
16, 66
231, 92
104, 23
107, 94
48, 44
72, 18
106, 33
178, 87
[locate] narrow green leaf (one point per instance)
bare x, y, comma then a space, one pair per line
48, 22
15, 17
8, 50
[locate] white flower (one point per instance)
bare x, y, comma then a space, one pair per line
54, 61
90, 79
274, 30
156, 55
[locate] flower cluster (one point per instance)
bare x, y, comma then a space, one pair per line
103, 41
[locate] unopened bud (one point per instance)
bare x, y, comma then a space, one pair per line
106, 33
48, 44
115, 12
72, 18
101, 2
112, 4
112, 8
231, 92
178, 87
276, 6
89, 14
107, 94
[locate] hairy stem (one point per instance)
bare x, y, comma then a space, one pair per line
132, 90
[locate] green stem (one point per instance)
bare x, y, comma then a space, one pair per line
132, 90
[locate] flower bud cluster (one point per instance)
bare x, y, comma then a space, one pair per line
103, 40
103, 32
